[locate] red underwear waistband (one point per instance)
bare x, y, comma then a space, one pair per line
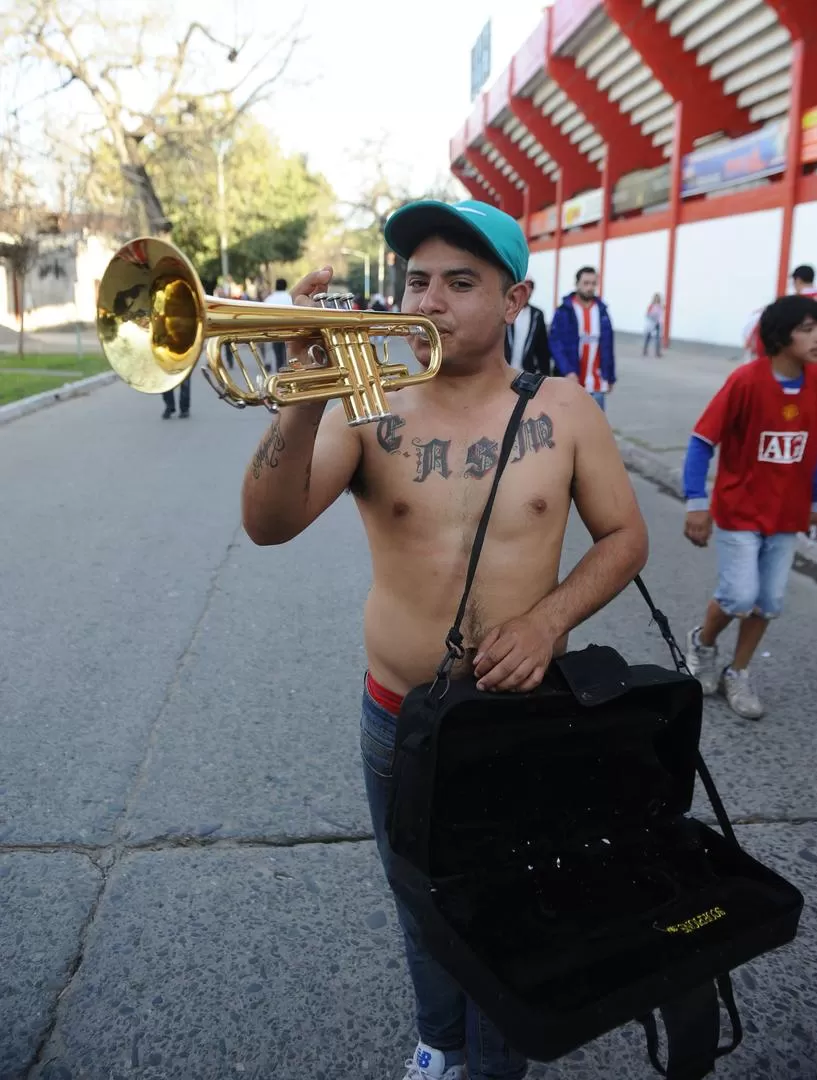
390, 701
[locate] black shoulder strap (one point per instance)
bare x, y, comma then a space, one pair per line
662, 622
526, 384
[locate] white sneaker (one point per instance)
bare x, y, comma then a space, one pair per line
702, 661
429, 1064
736, 686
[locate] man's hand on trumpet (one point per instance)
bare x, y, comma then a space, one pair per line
313, 284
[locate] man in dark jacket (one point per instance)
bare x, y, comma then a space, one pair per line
526, 340
581, 338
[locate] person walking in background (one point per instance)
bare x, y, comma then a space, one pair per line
168, 397
654, 324
526, 339
765, 420
581, 338
279, 297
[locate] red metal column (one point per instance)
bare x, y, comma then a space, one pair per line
792, 173
606, 192
560, 193
674, 214
526, 211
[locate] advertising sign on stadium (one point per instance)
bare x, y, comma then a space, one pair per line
583, 210
809, 151
762, 153
642, 190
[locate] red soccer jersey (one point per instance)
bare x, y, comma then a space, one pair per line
768, 441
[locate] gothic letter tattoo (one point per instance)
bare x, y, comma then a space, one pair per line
533, 435
432, 457
386, 436
268, 452
482, 456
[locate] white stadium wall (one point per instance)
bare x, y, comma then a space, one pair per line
572, 259
635, 267
541, 269
724, 270
804, 236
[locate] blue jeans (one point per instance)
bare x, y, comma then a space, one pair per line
446, 1019
600, 399
753, 571
654, 332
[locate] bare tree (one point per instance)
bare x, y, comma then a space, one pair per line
85, 43
384, 187
20, 220
20, 254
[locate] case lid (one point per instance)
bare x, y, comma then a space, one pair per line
598, 746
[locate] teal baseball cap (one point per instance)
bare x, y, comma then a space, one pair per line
501, 234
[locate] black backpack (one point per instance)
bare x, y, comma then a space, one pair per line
545, 844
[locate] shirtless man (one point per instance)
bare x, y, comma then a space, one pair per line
420, 480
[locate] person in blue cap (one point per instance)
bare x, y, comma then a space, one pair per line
420, 479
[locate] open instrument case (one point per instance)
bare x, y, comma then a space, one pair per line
546, 843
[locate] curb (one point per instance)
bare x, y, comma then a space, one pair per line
24, 406
669, 479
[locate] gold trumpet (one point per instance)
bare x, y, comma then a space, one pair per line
153, 318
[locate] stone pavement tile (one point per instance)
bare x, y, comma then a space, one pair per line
239, 962
288, 963
260, 739
114, 524
45, 900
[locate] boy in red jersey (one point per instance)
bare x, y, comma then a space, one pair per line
765, 420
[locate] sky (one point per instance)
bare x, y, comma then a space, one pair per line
359, 73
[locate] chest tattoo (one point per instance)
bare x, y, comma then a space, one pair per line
481, 457
433, 455
387, 437
533, 434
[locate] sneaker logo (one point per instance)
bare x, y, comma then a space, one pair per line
782, 447
423, 1059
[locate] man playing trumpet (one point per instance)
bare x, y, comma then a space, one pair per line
420, 480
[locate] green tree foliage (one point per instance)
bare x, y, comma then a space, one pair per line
273, 202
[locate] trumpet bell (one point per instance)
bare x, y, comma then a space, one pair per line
151, 315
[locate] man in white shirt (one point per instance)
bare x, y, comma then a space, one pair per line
278, 298
526, 339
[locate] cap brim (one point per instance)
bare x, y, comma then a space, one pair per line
407, 228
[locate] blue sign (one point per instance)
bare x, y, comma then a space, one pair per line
762, 153
481, 60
